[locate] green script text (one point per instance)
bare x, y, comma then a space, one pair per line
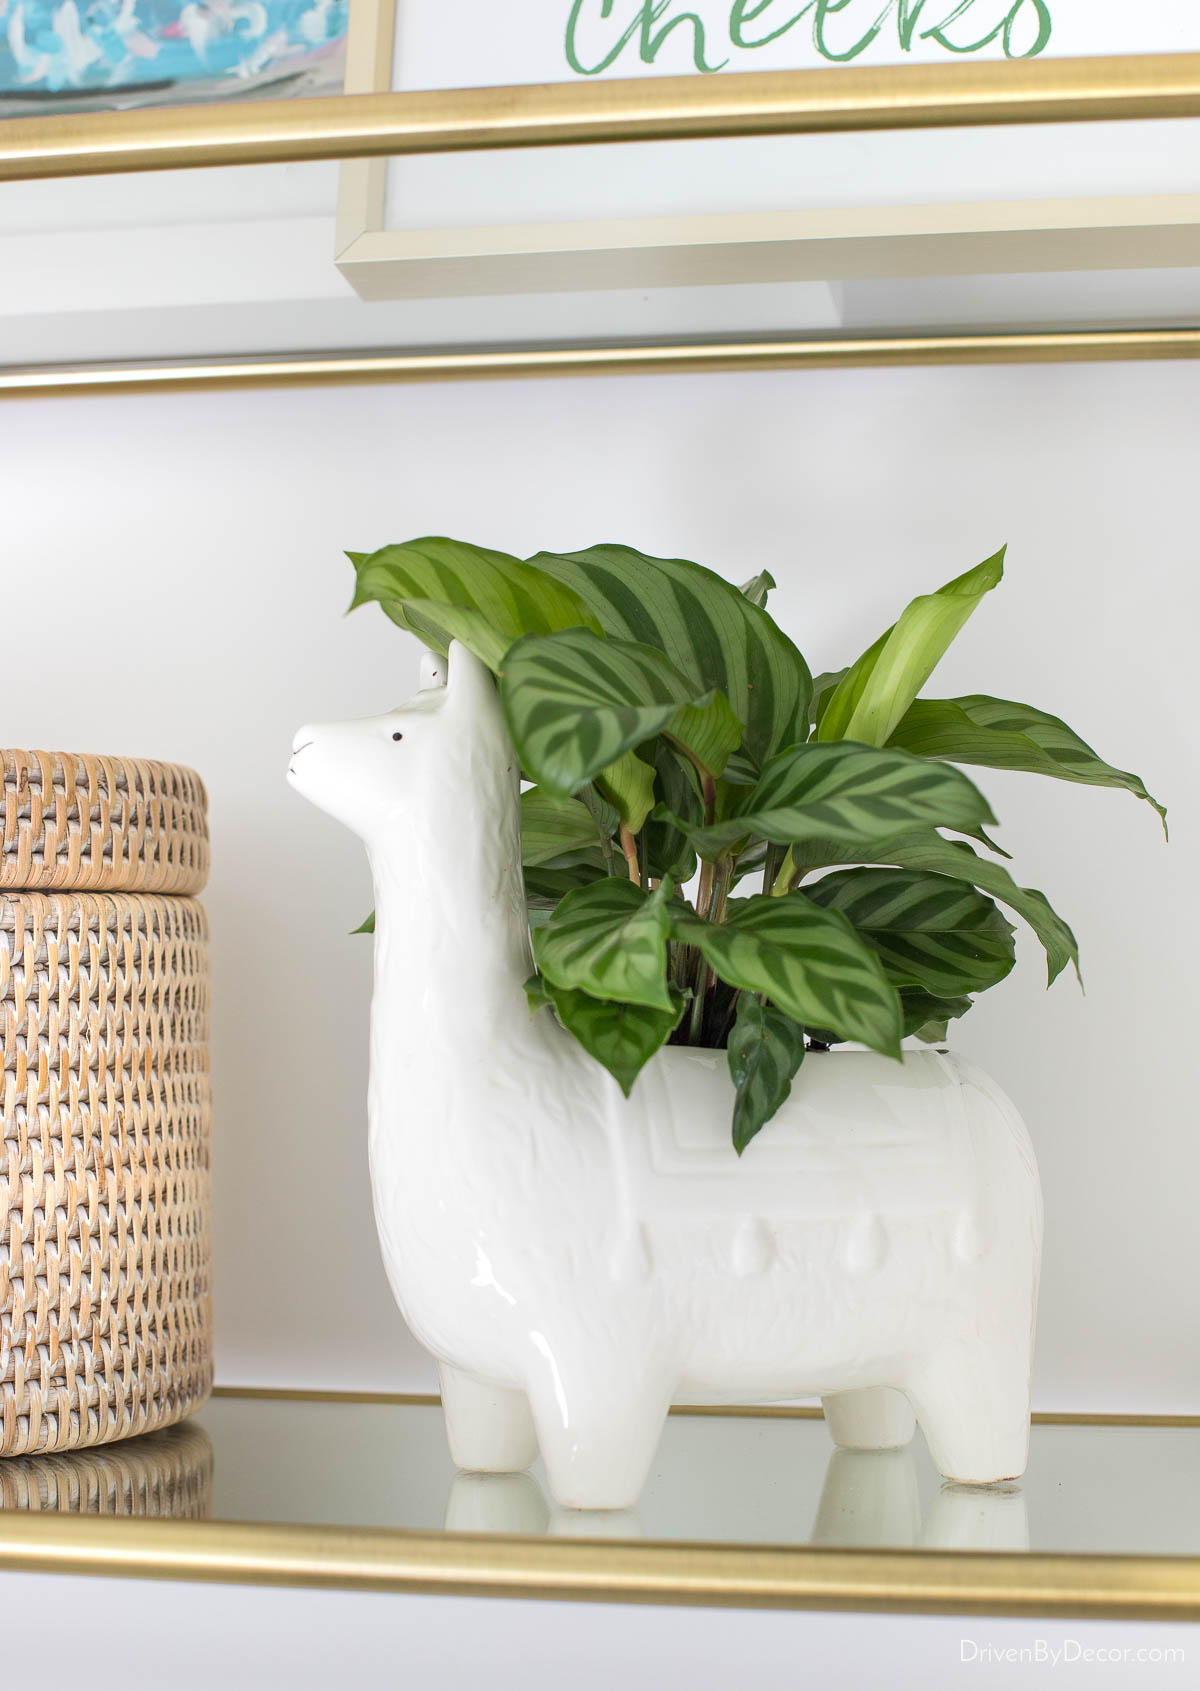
842, 30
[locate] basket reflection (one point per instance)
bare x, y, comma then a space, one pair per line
165, 1476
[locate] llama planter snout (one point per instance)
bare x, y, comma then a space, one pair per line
577, 1261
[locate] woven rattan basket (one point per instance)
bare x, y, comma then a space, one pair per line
105, 1304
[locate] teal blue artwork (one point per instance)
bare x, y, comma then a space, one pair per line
80, 55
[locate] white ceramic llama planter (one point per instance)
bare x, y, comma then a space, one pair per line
576, 1261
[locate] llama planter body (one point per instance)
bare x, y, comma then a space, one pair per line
576, 1261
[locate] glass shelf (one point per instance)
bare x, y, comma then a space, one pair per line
741, 1507
723, 1479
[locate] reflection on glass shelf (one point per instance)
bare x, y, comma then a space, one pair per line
726, 1479
869, 1500
741, 1479
165, 1475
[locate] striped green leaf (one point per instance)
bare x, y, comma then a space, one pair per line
757, 588
766, 1048
546, 886
824, 687
623, 1037
575, 702
877, 690
808, 961
1000, 734
849, 791
554, 827
609, 940
710, 732
957, 859
928, 931
443, 590
708, 629
984, 838
928, 1018
628, 787
668, 849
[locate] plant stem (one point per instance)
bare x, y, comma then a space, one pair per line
729, 1019
707, 781
699, 998
629, 847
782, 881
705, 889
722, 882
715, 882
701, 978
710, 797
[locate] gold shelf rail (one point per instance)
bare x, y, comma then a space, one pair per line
321, 369
584, 113
1164, 1588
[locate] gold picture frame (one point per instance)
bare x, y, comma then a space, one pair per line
731, 248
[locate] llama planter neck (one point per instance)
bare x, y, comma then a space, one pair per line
433, 791
577, 1261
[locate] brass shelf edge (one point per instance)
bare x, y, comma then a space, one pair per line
582, 113
659, 358
787, 1412
307, 1394
580, 1570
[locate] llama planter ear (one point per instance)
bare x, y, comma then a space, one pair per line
577, 1261
433, 671
470, 690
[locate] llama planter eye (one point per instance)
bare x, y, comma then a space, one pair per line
577, 1261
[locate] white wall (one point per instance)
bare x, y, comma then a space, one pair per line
192, 1637
172, 585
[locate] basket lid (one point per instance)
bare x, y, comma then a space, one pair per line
117, 824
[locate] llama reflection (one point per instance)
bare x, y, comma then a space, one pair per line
516, 1504
870, 1500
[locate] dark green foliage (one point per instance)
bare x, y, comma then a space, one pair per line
672, 727
766, 1048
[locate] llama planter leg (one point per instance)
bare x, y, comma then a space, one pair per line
877, 1418
575, 1260
972, 1402
490, 1431
599, 1418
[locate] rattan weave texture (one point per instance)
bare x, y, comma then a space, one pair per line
100, 824
105, 1117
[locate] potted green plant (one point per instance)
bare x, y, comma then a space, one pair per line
674, 737
718, 868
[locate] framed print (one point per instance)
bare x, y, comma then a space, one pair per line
798, 208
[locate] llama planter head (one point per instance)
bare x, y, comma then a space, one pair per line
578, 1261
369, 773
